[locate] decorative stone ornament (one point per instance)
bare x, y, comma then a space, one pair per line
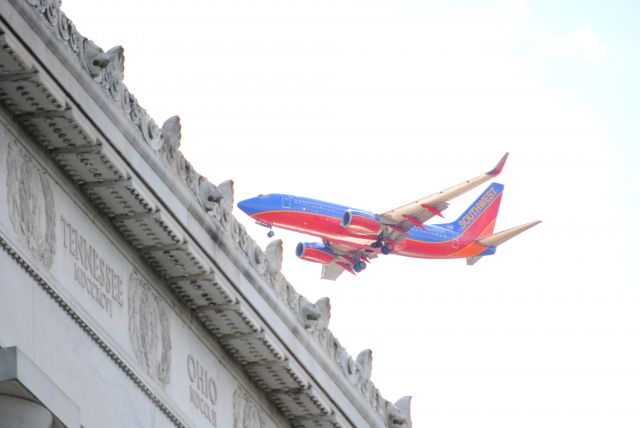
315, 317
149, 329
273, 254
31, 205
246, 414
399, 414
364, 361
95, 60
208, 194
226, 190
170, 136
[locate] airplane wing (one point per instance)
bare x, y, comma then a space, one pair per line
400, 220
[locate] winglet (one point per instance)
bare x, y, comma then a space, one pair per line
498, 168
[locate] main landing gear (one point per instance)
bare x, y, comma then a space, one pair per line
359, 266
270, 234
385, 247
388, 248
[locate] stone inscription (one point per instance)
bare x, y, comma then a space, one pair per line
31, 205
149, 329
91, 272
203, 393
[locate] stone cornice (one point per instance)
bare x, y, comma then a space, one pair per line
210, 204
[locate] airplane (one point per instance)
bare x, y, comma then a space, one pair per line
351, 238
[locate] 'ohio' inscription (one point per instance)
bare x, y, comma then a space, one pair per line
91, 272
202, 391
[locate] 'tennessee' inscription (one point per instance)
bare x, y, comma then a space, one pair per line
91, 272
202, 391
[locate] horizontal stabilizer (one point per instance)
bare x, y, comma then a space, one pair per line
472, 260
331, 271
501, 237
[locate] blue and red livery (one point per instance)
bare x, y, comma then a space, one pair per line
352, 237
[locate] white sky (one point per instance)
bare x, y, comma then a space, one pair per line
374, 104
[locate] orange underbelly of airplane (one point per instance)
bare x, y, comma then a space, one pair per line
351, 238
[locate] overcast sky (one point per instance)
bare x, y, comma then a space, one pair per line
375, 104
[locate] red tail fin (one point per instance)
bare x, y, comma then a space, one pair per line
480, 218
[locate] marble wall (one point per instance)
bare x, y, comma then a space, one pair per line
89, 313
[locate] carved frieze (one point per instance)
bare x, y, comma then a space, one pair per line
50, 11
149, 331
31, 205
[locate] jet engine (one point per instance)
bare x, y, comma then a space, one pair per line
361, 222
314, 252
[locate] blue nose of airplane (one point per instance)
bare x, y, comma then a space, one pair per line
250, 206
245, 206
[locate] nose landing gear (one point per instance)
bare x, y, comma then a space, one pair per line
270, 233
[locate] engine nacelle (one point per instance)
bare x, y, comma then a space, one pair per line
314, 252
361, 222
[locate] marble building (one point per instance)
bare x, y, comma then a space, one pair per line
130, 296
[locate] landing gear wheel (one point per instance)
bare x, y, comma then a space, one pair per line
388, 248
270, 234
359, 266
378, 243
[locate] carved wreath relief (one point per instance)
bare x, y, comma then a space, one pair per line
246, 413
31, 205
149, 329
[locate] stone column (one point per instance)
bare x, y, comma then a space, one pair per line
21, 413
